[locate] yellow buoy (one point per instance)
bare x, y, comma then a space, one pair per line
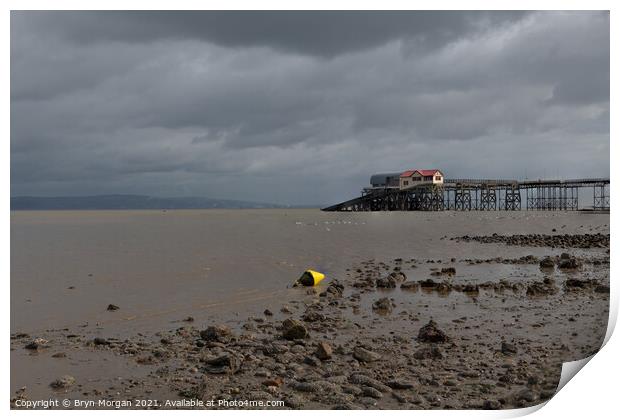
311, 278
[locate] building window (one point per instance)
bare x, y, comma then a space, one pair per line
405, 182
428, 178
417, 178
438, 178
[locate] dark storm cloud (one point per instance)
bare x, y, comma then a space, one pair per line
322, 33
303, 106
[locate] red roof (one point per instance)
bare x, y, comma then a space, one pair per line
423, 172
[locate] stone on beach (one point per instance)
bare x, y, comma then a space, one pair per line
431, 333
63, 382
217, 333
293, 329
364, 355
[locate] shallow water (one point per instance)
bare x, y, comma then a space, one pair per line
67, 266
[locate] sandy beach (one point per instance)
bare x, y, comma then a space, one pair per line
418, 310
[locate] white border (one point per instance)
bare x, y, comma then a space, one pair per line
593, 394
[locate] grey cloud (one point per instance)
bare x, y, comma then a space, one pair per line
322, 33
236, 105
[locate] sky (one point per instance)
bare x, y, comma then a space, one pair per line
302, 107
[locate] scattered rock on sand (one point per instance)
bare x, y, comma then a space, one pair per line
410, 285
568, 263
324, 351
547, 262
364, 355
112, 307
63, 382
398, 276
508, 348
224, 363
37, 344
383, 304
386, 283
430, 333
218, 333
429, 352
293, 329
99, 341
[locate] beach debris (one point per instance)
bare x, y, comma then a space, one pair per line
112, 307
293, 329
430, 333
267, 312
310, 278
63, 382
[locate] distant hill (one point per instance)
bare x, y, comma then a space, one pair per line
131, 202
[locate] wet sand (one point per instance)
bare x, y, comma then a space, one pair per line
509, 322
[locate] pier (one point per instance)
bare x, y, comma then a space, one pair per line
481, 194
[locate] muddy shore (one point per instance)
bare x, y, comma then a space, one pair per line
402, 333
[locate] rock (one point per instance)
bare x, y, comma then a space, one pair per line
399, 384
267, 312
450, 271
430, 333
359, 379
578, 283
398, 276
273, 382
410, 285
188, 319
569, 263
37, 344
365, 355
371, 392
508, 348
429, 352
324, 351
112, 307
63, 382
313, 316
224, 363
386, 283
546, 287
217, 333
547, 262
383, 304
293, 329
491, 405
99, 341
601, 289
335, 289
59, 355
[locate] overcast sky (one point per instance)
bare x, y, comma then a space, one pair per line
302, 107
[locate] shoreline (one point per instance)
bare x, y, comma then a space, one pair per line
375, 338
